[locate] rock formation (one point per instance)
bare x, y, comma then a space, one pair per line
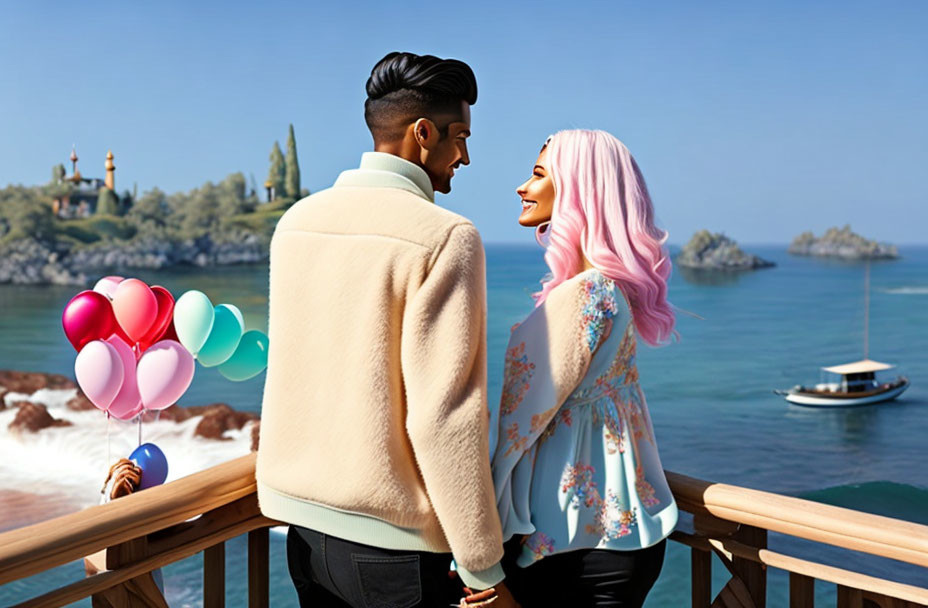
30, 262
842, 243
32, 417
714, 251
29, 382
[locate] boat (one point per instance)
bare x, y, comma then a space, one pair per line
854, 383
857, 384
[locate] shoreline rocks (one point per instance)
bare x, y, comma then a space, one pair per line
32, 418
216, 418
29, 382
715, 251
28, 261
842, 243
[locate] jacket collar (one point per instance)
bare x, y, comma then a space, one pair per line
382, 170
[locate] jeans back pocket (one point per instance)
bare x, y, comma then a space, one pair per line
388, 582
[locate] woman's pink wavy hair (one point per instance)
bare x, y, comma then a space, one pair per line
602, 209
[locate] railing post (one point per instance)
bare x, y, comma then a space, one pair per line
753, 575
214, 576
258, 577
140, 591
801, 591
701, 574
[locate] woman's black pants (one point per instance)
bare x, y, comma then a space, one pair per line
585, 577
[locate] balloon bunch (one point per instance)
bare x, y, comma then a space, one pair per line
128, 355
136, 349
136, 345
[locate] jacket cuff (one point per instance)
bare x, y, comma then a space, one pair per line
482, 579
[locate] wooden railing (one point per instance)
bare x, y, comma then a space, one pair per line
151, 529
146, 531
733, 522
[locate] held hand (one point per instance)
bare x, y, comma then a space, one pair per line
498, 597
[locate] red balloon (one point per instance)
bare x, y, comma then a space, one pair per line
170, 333
122, 334
88, 317
164, 318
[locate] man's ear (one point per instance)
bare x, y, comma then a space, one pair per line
426, 133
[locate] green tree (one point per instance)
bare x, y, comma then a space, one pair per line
107, 203
125, 202
151, 207
292, 177
233, 198
275, 174
26, 213
58, 187
58, 173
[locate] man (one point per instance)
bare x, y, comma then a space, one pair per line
374, 423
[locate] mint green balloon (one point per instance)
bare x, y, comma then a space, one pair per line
193, 320
249, 359
228, 325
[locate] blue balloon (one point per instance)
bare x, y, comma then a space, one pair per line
154, 465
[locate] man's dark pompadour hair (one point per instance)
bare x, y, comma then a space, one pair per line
404, 87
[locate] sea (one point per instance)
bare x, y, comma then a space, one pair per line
710, 394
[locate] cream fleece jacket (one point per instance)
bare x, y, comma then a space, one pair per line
374, 418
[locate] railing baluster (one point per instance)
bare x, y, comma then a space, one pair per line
258, 578
752, 574
214, 576
801, 591
849, 597
701, 574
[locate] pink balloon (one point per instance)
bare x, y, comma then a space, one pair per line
136, 308
127, 403
164, 373
107, 285
99, 372
87, 317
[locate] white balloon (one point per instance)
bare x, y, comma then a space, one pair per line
107, 286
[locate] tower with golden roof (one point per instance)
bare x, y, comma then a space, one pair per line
110, 180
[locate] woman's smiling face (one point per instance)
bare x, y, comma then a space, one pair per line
537, 194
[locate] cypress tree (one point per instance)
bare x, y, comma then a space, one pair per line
292, 178
107, 204
275, 174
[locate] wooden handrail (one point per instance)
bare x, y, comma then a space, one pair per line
39, 547
874, 534
812, 570
226, 497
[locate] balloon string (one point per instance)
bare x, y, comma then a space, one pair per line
109, 455
140, 428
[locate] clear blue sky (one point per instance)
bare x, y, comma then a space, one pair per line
757, 119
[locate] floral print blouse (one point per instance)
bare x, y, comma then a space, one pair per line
577, 465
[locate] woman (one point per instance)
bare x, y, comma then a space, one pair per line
580, 488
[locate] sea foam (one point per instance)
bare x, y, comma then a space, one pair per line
71, 462
907, 291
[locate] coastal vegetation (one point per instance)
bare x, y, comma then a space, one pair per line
221, 222
842, 243
715, 251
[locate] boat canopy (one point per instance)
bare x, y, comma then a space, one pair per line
858, 367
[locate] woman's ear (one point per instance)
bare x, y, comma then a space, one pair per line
426, 133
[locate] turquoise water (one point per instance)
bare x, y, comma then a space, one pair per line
710, 394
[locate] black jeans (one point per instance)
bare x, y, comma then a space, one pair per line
585, 577
331, 572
